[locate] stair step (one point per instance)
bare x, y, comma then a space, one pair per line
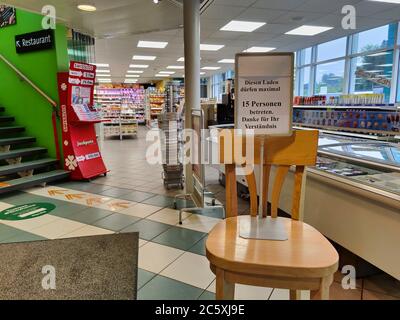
25, 166
35, 180
6, 119
21, 153
11, 129
11, 141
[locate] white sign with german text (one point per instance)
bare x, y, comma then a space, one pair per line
264, 93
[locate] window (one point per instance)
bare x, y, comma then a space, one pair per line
305, 56
374, 39
304, 75
329, 78
204, 87
398, 88
372, 74
230, 74
218, 84
332, 49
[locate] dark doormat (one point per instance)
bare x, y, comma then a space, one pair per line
88, 268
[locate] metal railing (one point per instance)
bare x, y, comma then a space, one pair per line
27, 80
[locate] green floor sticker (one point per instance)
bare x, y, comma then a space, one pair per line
26, 211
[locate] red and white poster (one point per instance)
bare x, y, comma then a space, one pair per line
82, 155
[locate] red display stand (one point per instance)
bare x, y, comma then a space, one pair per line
82, 155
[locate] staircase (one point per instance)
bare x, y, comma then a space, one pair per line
21, 165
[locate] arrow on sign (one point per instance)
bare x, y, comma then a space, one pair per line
18, 44
75, 73
74, 81
75, 196
56, 192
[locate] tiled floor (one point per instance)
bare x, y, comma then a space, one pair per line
172, 262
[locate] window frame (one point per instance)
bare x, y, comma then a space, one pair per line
395, 87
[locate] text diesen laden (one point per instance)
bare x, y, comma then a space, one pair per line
257, 121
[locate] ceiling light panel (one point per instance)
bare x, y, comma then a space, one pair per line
387, 1
259, 49
148, 58
152, 44
211, 47
102, 71
135, 71
211, 68
139, 66
176, 67
227, 61
166, 72
87, 7
308, 30
242, 26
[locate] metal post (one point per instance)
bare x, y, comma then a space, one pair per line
191, 18
261, 197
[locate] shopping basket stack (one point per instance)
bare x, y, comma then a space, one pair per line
171, 126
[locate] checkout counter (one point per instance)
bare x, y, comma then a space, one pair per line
352, 195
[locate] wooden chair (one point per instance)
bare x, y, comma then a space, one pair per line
306, 261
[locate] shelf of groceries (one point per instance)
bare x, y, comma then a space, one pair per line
154, 106
122, 110
363, 113
131, 106
367, 101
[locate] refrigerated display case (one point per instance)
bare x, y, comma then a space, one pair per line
374, 164
352, 196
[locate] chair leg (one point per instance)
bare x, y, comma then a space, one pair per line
224, 290
323, 292
295, 295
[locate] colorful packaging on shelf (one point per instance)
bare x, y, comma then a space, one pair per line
351, 119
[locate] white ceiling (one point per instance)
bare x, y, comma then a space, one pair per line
119, 24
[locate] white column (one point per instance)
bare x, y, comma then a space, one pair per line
191, 20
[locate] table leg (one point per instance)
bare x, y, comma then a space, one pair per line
224, 289
323, 292
295, 295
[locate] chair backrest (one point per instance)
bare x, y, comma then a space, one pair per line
299, 150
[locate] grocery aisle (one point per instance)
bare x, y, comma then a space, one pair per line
172, 262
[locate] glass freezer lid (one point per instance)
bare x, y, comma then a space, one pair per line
330, 139
386, 153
